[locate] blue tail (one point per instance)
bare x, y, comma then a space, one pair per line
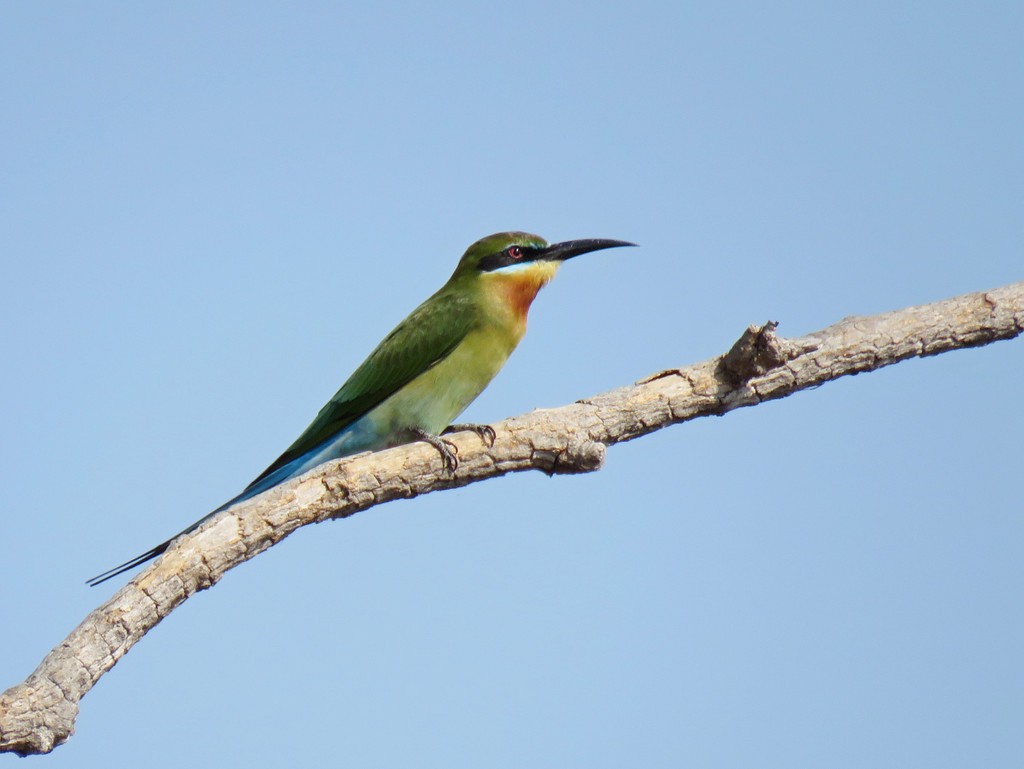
294, 468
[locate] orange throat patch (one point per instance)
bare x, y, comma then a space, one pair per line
517, 290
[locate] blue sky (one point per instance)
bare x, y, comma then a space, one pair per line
211, 212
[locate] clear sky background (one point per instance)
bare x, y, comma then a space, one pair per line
211, 212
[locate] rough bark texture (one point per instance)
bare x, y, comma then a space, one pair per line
39, 714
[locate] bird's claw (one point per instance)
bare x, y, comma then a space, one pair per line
449, 455
449, 451
486, 432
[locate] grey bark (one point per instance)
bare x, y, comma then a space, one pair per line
39, 714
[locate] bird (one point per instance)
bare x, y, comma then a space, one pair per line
427, 370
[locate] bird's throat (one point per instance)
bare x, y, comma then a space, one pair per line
515, 290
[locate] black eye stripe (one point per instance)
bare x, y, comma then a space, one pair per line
507, 256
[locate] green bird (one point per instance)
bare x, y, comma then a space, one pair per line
428, 369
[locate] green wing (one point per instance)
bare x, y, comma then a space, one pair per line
418, 343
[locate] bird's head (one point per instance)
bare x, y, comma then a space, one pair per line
514, 266
507, 253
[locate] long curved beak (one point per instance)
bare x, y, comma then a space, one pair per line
559, 252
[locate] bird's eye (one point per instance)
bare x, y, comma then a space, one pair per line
515, 252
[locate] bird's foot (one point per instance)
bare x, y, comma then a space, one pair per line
449, 451
486, 432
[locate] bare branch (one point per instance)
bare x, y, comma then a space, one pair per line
39, 714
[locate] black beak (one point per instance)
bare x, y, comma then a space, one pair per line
559, 252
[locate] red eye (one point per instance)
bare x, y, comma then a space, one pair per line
515, 252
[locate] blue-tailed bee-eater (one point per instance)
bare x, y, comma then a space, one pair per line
428, 369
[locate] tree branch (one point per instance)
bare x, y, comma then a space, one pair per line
39, 714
